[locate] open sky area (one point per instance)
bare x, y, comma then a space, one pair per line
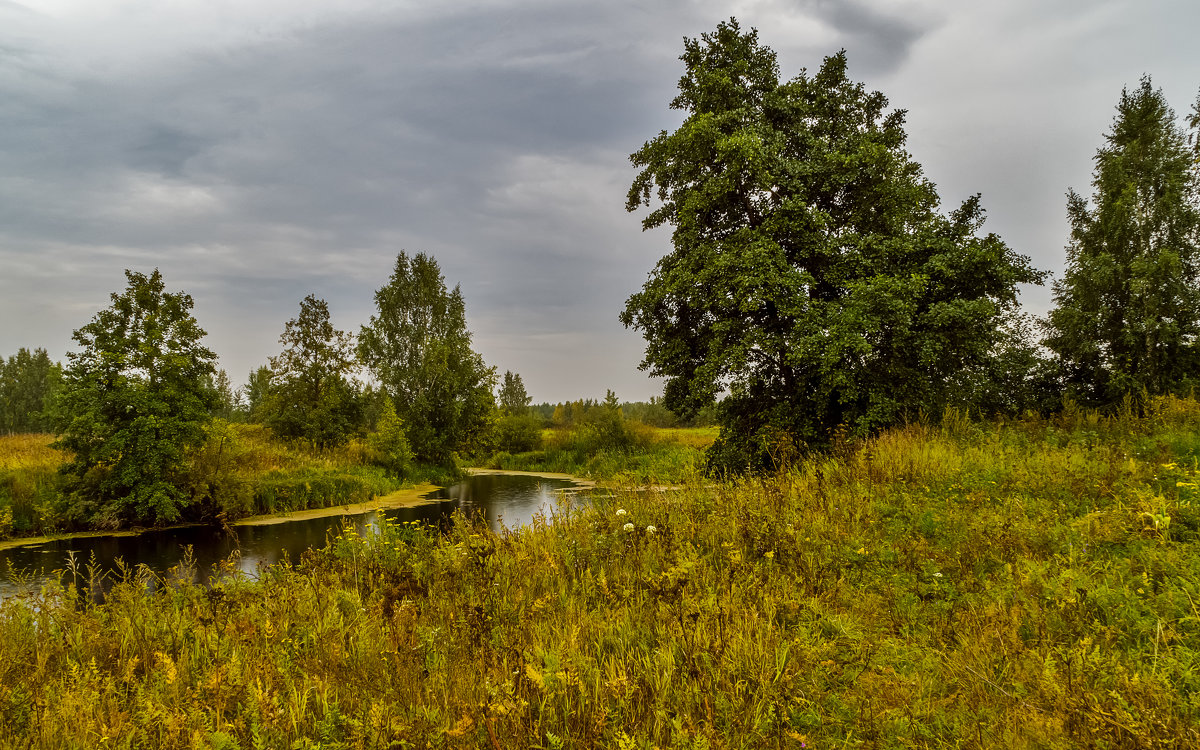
260, 151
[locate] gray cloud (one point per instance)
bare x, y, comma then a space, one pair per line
297, 149
878, 36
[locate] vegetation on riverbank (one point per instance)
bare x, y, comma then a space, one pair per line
241, 470
1018, 584
643, 455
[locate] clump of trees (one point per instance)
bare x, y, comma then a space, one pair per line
419, 349
816, 285
518, 429
28, 384
135, 405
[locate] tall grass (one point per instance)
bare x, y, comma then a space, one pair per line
1025, 584
641, 454
28, 483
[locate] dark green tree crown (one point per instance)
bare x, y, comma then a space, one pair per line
811, 275
136, 398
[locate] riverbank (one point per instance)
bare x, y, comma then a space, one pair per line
1028, 584
407, 497
242, 471
398, 499
649, 455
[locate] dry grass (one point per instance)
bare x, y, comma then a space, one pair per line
28, 452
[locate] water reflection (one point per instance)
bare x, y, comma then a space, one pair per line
504, 500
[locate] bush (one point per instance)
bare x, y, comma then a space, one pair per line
388, 446
518, 433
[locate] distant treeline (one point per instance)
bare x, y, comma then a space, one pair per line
652, 413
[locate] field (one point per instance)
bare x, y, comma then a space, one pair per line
1023, 584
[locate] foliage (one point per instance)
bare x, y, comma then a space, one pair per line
811, 276
940, 585
419, 349
258, 387
30, 484
225, 400
134, 401
1127, 315
518, 433
388, 444
513, 400
28, 383
651, 412
310, 395
1018, 378
659, 455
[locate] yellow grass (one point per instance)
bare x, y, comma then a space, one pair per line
28, 451
689, 437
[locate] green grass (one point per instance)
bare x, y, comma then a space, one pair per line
29, 483
1027, 584
645, 455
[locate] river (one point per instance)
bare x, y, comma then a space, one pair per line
505, 500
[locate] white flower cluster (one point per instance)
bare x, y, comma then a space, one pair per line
629, 527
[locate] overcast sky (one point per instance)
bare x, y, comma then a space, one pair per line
262, 150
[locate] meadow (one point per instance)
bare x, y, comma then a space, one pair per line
945, 584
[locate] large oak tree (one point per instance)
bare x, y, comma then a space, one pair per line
812, 276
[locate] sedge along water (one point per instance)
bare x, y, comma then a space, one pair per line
505, 500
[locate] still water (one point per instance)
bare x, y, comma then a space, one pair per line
505, 500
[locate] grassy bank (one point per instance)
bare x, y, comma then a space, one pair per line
1029, 584
640, 454
241, 471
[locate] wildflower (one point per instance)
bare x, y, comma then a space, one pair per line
937, 575
629, 527
620, 511
651, 530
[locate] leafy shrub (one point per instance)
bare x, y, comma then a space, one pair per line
518, 433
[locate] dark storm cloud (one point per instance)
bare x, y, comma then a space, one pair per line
877, 38
165, 149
